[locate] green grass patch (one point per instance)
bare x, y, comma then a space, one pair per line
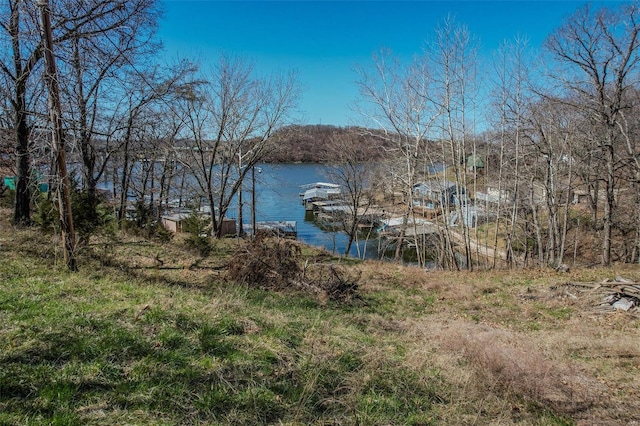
130, 343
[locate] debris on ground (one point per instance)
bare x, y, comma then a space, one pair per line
277, 264
265, 262
619, 294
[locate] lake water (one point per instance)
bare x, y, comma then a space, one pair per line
278, 198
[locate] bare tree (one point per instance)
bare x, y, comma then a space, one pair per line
352, 169
629, 128
230, 121
25, 47
598, 53
399, 100
168, 126
548, 139
142, 94
500, 105
71, 19
55, 113
94, 66
454, 57
513, 66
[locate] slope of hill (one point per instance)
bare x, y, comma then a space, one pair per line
150, 334
316, 143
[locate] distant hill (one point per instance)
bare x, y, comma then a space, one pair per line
315, 143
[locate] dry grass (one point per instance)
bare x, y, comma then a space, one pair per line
498, 347
509, 343
509, 347
505, 364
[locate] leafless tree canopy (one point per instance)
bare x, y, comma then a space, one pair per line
528, 159
559, 166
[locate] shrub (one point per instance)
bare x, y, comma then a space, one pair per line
7, 196
45, 214
200, 244
197, 228
89, 215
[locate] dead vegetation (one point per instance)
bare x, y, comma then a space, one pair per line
278, 264
510, 343
504, 347
608, 296
265, 262
505, 364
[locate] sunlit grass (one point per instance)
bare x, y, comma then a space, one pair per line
81, 346
132, 342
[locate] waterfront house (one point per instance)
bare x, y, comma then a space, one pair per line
174, 222
435, 193
493, 196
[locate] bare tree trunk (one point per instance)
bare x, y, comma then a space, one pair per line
126, 171
536, 223
609, 206
636, 248
565, 223
55, 112
511, 258
166, 181
22, 208
501, 160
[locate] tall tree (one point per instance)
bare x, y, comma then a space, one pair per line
630, 129
454, 57
549, 136
400, 100
96, 64
144, 92
58, 139
71, 19
598, 54
19, 24
230, 121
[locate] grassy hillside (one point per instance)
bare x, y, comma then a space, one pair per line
151, 334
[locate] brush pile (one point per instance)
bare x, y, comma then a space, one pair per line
619, 294
278, 264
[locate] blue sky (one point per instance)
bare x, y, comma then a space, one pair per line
324, 40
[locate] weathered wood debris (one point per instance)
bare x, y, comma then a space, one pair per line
619, 294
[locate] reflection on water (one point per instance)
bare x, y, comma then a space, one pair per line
278, 198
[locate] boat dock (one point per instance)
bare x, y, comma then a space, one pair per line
279, 228
319, 191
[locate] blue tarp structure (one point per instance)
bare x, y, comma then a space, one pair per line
10, 182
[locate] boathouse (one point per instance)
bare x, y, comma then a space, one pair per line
319, 191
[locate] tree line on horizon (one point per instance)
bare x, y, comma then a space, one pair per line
313, 143
556, 130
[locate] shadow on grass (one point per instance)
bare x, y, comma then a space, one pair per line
185, 368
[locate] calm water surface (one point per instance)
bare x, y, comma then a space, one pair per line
278, 198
